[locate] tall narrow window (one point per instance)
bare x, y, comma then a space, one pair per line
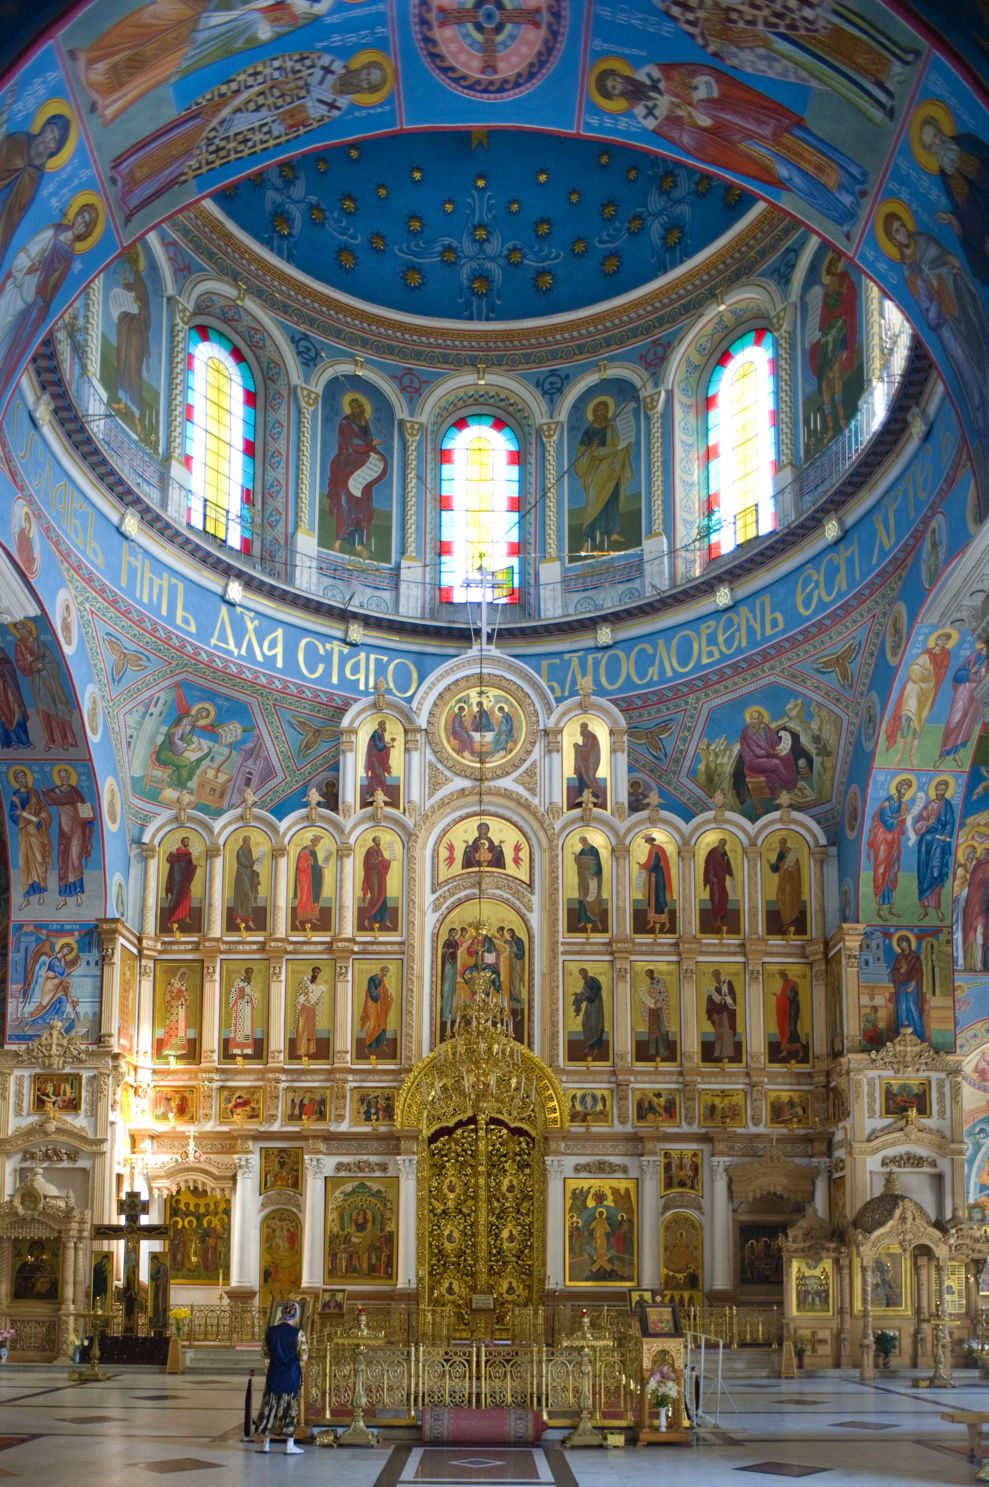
220, 412
741, 443
479, 509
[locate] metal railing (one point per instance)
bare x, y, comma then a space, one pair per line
737, 1326
363, 585
398, 1381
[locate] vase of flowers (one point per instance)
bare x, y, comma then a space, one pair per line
180, 1315
6, 1336
886, 1343
662, 1389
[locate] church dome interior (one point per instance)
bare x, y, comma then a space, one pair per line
493, 667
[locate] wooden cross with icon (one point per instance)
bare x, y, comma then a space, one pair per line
132, 1207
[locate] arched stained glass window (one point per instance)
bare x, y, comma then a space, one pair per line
479, 509
741, 443
220, 413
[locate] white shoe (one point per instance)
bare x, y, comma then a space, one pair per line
291, 1449
264, 1446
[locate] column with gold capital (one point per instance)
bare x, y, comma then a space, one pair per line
551, 568
149, 903
214, 889
720, 1247
313, 1269
555, 1223
412, 570
407, 1167
279, 868
243, 1224
649, 1223
345, 890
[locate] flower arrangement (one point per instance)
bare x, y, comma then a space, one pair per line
180, 1315
886, 1342
6, 1333
663, 1388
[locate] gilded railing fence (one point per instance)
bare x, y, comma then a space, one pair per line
398, 1381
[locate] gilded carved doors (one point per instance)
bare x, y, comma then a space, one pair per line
482, 1231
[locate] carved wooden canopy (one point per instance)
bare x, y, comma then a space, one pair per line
772, 1173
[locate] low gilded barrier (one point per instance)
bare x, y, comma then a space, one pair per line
399, 1381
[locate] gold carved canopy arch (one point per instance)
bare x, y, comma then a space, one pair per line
523, 1091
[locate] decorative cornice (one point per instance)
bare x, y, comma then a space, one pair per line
907, 1053
407, 339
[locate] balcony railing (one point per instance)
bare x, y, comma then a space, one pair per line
597, 584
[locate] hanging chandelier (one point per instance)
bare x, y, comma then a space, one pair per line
479, 1066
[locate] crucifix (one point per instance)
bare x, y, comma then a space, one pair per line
132, 1207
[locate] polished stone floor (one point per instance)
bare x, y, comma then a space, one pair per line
139, 1426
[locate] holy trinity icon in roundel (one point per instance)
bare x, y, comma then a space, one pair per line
484, 725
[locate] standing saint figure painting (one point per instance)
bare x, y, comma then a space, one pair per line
357, 467
177, 1011
312, 880
654, 885
884, 844
378, 855
603, 465
180, 899
588, 990
381, 754
935, 829
720, 884
721, 1015
76, 825
784, 906
587, 879
31, 819
586, 748
247, 882
244, 1010
39, 270
308, 1011
376, 1018
915, 699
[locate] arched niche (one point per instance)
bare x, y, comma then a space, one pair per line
182, 882
587, 882
482, 934
654, 888
719, 882
280, 1261
312, 881
681, 1250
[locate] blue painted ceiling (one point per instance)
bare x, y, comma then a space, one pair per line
489, 225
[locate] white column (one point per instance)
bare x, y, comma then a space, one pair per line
276, 1010
822, 1193
279, 869
243, 1266
407, 1275
720, 1248
149, 901
312, 1235
649, 1232
555, 1225
214, 890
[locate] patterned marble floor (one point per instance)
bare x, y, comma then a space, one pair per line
136, 1428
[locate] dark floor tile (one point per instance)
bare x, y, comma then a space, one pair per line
860, 1425
180, 1464
90, 1419
783, 1469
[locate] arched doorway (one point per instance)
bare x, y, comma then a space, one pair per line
481, 1105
